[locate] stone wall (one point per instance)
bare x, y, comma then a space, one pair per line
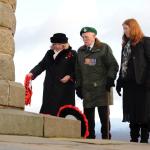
11, 93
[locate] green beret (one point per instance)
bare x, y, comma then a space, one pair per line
88, 29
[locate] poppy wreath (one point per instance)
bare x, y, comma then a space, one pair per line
75, 112
28, 89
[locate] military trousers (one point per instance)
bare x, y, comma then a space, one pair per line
103, 112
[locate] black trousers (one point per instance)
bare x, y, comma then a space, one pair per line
139, 130
103, 112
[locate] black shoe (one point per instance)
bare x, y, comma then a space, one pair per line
134, 140
105, 137
144, 134
144, 141
91, 137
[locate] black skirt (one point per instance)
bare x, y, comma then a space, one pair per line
135, 103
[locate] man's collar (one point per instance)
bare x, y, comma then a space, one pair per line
91, 46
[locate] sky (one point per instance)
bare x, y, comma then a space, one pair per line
38, 20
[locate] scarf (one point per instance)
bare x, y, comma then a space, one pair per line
126, 55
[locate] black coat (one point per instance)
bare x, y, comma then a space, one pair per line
136, 91
141, 61
56, 93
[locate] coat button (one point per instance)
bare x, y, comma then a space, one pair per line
95, 84
133, 57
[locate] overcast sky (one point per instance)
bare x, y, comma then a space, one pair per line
38, 20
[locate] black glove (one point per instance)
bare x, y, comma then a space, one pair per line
118, 89
79, 92
119, 86
109, 83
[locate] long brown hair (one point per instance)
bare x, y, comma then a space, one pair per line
136, 34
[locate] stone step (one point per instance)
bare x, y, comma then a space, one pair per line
9, 142
18, 122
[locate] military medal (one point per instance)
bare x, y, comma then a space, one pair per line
90, 61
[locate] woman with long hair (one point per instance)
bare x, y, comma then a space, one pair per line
134, 78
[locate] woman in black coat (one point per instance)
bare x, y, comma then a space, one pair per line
134, 78
59, 83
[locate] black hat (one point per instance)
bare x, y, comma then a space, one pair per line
59, 38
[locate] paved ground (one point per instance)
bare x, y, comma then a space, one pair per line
36, 143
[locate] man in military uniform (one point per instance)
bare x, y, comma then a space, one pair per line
96, 72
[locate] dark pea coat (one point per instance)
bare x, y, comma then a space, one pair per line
56, 93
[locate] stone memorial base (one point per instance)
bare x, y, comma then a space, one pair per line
17, 122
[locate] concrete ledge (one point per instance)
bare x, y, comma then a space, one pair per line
17, 122
60, 127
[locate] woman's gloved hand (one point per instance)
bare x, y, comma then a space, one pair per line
119, 86
118, 89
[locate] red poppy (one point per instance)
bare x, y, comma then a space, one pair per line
69, 55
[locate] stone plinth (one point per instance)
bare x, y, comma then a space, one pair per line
17, 122
60, 127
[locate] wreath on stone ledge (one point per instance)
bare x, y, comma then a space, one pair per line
70, 110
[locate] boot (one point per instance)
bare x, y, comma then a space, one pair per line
105, 132
134, 132
144, 134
